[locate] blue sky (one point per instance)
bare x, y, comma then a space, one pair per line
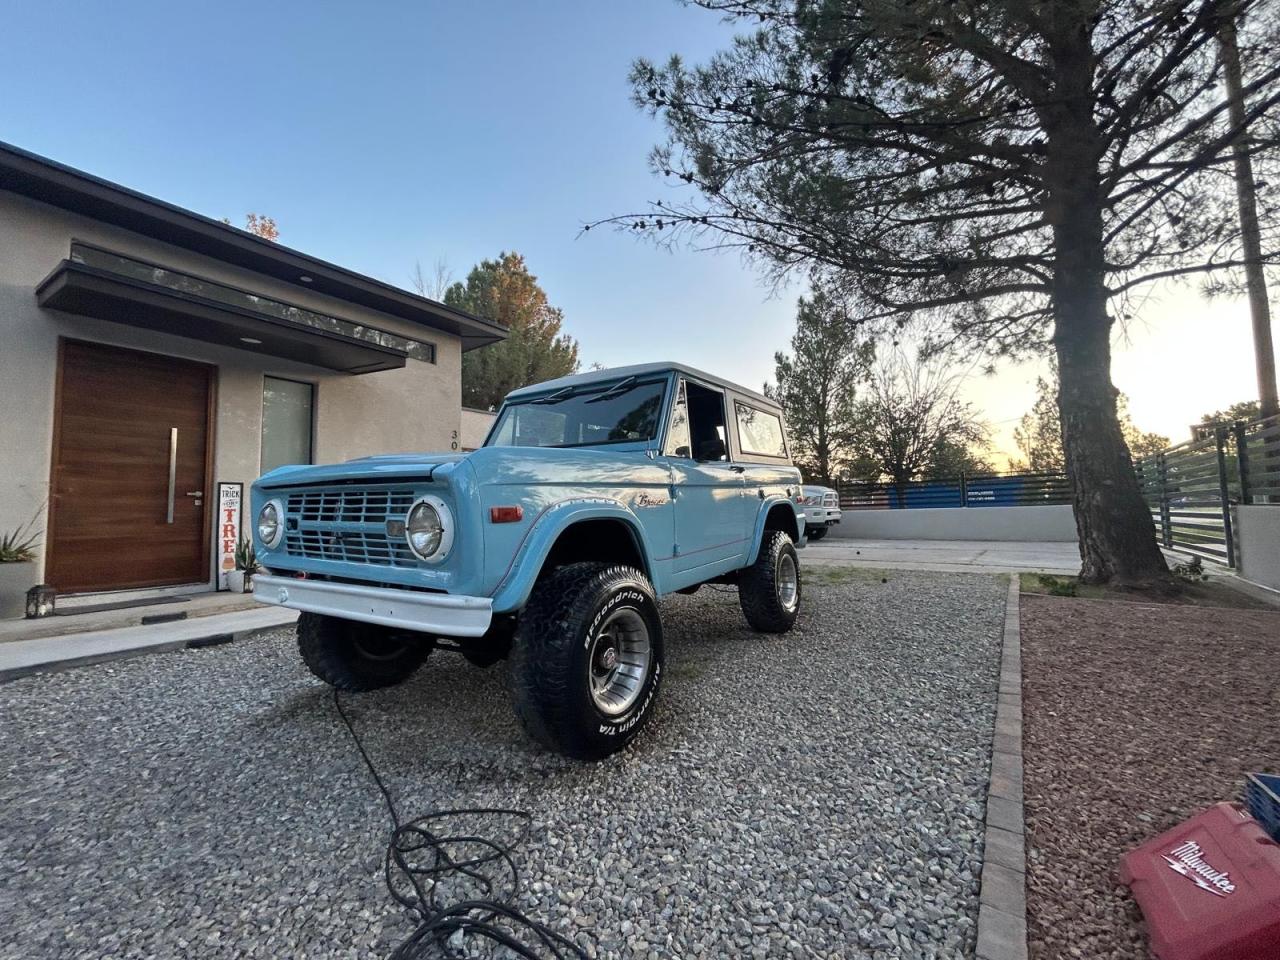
380, 134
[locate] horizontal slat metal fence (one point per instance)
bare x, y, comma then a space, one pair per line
1259, 444
992, 490
1191, 488
1187, 488
1017, 490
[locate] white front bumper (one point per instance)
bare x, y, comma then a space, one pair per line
438, 613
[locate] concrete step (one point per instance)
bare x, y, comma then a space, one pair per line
19, 658
77, 617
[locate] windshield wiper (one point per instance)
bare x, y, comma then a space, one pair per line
619, 388
559, 395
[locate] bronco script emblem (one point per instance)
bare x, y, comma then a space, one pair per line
644, 500
1188, 860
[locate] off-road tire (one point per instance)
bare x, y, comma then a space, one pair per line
816, 533
551, 658
338, 652
758, 586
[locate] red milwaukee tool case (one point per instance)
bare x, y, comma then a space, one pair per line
1209, 888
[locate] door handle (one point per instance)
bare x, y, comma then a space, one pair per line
173, 470
195, 493
737, 468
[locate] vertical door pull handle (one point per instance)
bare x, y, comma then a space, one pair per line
173, 469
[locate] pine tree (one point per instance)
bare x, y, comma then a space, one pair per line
503, 290
1008, 174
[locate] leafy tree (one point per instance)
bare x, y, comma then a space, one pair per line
953, 457
817, 385
1039, 432
1141, 443
911, 424
503, 290
1243, 410
260, 225
1024, 167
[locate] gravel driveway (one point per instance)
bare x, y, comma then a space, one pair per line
818, 794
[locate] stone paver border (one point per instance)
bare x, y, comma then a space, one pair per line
1002, 910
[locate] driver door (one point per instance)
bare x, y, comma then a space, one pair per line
710, 525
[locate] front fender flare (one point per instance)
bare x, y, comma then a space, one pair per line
517, 583
796, 532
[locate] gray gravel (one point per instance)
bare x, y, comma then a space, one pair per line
818, 794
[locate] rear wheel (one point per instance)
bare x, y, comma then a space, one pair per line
816, 533
587, 659
769, 589
354, 656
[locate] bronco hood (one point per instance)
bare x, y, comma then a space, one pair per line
385, 468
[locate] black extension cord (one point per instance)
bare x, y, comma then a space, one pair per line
421, 859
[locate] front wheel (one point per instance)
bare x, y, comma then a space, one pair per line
769, 589
354, 656
587, 659
816, 533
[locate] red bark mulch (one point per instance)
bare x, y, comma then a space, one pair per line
1135, 717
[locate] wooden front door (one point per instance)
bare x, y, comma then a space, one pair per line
131, 446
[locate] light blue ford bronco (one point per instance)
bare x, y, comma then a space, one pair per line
592, 496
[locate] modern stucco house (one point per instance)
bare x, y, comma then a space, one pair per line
152, 358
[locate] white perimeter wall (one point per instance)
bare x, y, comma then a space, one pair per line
1054, 523
1257, 533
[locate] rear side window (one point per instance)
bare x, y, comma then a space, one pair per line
759, 431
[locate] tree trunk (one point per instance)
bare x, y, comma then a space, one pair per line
1116, 534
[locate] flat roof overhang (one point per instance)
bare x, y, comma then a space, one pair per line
93, 292
61, 186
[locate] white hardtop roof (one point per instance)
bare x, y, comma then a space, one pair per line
640, 370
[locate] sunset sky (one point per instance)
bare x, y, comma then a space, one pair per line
383, 134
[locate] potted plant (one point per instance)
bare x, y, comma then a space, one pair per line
17, 569
240, 580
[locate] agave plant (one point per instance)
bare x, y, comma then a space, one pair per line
19, 546
246, 557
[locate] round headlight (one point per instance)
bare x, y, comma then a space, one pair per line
428, 528
269, 529
424, 530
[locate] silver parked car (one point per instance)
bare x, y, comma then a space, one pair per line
821, 507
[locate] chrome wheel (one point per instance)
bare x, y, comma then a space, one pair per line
788, 582
620, 658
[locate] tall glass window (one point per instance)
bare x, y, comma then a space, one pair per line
287, 418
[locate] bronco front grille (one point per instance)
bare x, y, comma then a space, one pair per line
348, 524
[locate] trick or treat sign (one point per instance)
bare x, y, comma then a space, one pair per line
229, 497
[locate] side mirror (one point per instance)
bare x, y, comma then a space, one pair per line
712, 450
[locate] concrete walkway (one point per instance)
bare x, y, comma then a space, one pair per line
949, 556
81, 614
22, 657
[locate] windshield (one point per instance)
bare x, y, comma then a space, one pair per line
621, 412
